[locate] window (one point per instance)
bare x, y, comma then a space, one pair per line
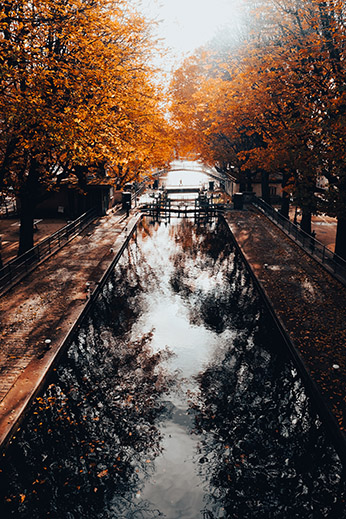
272, 191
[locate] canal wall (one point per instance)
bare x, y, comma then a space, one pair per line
302, 298
41, 315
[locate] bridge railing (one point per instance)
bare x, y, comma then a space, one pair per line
15, 269
334, 263
164, 205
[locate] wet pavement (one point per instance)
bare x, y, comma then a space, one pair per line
45, 305
310, 303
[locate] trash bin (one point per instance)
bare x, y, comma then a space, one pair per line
238, 200
126, 200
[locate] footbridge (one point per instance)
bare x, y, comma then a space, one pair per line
163, 205
191, 166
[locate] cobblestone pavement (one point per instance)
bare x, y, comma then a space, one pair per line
45, 305
310, 303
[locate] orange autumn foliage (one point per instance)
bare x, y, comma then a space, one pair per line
276, 102
76, 92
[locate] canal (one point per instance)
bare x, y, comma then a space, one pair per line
176, 399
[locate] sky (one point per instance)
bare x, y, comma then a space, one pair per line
187, 24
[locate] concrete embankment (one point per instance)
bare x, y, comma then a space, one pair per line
40, 315
310, 307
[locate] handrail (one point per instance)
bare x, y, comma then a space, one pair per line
334, 263
15, 269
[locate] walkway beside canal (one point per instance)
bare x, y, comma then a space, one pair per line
45, 306
309, 302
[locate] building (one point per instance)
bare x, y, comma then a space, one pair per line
70, 202
254, 185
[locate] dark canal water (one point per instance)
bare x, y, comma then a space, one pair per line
176, 400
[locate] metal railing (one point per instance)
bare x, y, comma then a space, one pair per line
18, 267
334, 263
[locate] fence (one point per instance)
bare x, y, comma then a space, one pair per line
334, 263
17, 268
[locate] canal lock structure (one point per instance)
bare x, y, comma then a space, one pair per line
176, 399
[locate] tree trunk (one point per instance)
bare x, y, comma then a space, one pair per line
248, 183
285, 205
28, 197
26, 232
340, 241
265, 186
305, 223
285, 200
242, 183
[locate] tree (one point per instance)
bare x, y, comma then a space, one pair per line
278, 103
75, 93
312, 104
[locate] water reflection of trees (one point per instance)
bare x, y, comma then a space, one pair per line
122, 297
92, 433
264, 452
228, 300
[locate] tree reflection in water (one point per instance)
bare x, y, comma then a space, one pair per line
89, 448
92, 432
263, 450
211, 277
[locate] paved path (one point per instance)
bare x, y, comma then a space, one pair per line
310, 303
45, 305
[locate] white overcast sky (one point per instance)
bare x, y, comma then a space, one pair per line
188, 24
